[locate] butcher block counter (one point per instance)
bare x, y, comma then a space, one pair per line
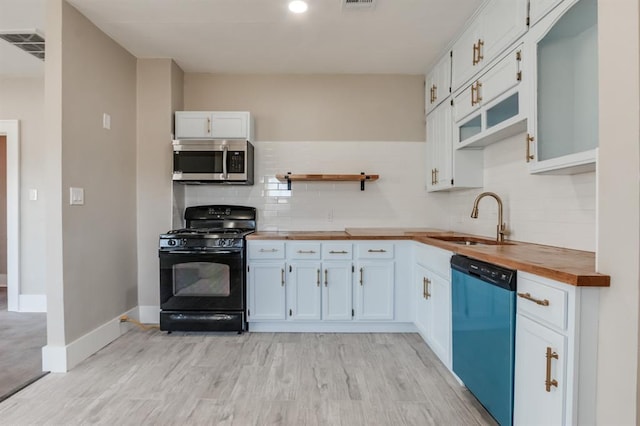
572, 267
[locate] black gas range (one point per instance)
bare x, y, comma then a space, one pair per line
202, 270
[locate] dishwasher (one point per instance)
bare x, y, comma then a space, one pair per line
483, 332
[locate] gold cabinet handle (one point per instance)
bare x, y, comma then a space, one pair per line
432, 177
427, 294
377, 251
528, 296
528, 141
338, 252
361, 269
326, 279
473, 94
318, 281
282, 277
478, 93
437, 177
268, 250
434, 91
480, 54
306, 252
474, 61
548, 381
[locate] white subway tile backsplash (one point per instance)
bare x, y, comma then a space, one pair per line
543, 209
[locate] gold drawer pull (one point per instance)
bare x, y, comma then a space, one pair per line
306, 252
268, 251
529, 139
548, 382
377, 251
338, 252
528, 296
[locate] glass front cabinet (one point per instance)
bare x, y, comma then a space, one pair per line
562, 125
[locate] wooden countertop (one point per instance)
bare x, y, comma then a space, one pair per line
572, 267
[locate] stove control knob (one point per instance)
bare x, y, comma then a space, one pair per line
225, 243
171, 243
183, 242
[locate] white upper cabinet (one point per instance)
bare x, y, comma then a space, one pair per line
438, 83
498, 25
213, 125
563, 117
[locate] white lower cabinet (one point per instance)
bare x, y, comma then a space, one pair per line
303, 291
375, 290
432, 294
540, 374
266, 291
337, 291
555, 354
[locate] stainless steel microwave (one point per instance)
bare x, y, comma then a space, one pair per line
213, 161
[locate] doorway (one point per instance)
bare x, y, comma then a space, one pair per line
22, 334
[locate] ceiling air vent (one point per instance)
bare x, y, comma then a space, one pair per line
27, 40
358, 4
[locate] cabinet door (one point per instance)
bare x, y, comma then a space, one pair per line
229, 125
438, 83
533, 403
266, 292
193, 124
464, 54
439, 148
337, 291
502, 22
563, 121
375, 290
304, 291
539, 8
439, 299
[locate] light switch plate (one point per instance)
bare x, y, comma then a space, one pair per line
33, 195
106, 121
76, 196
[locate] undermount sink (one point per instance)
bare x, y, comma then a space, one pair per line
469, 240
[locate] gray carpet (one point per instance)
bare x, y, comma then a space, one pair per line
22, 336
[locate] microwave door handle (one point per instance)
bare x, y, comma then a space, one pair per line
224, 162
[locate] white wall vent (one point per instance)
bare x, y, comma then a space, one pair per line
28, 40
358, 4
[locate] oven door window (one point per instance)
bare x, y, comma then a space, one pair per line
198, 279
198, 161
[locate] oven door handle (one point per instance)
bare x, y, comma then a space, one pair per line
203, 252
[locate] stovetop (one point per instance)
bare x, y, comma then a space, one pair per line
211, 227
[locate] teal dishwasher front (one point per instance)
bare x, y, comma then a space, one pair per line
483, 328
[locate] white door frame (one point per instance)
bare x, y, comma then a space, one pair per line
11, 129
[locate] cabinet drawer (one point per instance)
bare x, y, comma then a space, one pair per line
304, 250
266, 250
375, 251
337, 251
542, 302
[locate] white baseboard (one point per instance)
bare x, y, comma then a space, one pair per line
332, 327
60, 359
32, 303
149, 314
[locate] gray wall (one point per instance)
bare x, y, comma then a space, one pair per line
92, 261
317, 107
159, 91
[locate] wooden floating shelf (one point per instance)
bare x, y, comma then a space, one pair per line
362, 178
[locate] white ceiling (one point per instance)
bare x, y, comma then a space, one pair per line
261, 36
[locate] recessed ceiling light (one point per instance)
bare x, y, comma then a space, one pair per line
298, 6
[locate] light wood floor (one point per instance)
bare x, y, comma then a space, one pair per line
22, 336
149, 377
